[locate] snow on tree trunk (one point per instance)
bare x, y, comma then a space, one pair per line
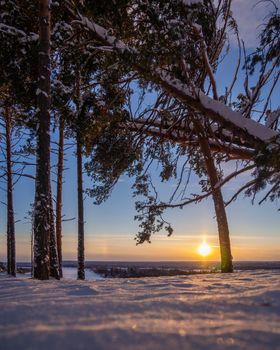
54, 266
59, 195
42, 191
221, 216
11, 248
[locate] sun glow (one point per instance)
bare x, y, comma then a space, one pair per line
204, 249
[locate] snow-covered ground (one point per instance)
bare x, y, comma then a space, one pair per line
71, 273
236, 311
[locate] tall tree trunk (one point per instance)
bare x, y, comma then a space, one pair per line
54, 266
81, 248
42, 191
221, 216
11, 246
59, 194
80, 193
32, 242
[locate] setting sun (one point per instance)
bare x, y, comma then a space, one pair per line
204, 249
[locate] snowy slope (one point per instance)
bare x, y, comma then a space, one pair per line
237, 311
71, 273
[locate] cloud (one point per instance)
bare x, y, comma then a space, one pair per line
250, 16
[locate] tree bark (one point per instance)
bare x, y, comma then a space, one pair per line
221, 216
80, 192
81, 248
11, 247
42, 191
59, 195
54, 266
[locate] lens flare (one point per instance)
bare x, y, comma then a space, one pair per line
204, 249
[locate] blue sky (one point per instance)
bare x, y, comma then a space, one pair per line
110, 227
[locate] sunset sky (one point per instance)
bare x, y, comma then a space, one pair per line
110, 228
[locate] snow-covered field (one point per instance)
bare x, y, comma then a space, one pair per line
237, 311
71, 273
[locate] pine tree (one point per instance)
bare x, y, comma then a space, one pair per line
11, 246
80, 192
150, 38
42, 197
59, 194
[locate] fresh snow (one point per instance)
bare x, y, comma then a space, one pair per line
71, 273
102, 33
254, 128
38, 92
217, 109
198, 312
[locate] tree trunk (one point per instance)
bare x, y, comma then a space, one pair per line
11, 247
221, 216
59, 195
80, 193
54, 268
32, 242
81, 248
42, 191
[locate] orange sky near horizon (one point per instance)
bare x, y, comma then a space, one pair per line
179, 247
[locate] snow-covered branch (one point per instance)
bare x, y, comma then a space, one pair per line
180, 137
194, 98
